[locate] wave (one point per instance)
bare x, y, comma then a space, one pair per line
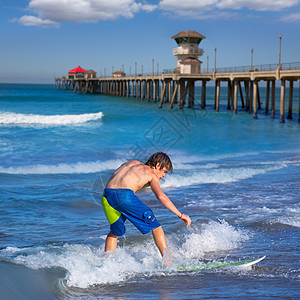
288, 216
214, 236
76, 168
191, 174
181, 157
8, 118
88, 265
218, 175
291, 221
271, 216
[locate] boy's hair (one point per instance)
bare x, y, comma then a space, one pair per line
162, 158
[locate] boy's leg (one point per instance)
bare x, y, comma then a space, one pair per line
111, 242
159, 239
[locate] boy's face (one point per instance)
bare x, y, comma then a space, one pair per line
160, 173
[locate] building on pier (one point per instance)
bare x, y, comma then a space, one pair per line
90, 74
118, 74
188, 52
76, 73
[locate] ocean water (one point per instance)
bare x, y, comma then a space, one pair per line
236, 177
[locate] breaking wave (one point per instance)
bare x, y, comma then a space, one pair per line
217, 175
75, 168
8, 118
88, 265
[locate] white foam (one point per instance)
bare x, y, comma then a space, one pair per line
88, 265
272, 215
214, 236
290, 216
181, 157
218, 175
292, 221
75, 168
8, 118
190, 166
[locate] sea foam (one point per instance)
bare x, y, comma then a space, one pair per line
217, 175
74, 168
214, 236
88, 265
9, 118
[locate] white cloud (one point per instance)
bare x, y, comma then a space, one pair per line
204, 9
178, 5
196, 9
291, 18
50, 13
80, 11
34, 21
149, 7
260, 5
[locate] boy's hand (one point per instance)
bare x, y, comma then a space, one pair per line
186, 219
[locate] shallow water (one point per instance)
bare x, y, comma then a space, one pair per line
237, 178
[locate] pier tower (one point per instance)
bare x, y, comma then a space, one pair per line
188, 51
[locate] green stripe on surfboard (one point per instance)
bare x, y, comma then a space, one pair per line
216, 264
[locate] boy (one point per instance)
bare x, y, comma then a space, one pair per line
120, 202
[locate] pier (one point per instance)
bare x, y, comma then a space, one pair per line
170, 89
177, 86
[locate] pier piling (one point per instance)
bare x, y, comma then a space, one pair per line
217, 96
299, 105
235, 96
267, 97
290, 112
255, 97
273, 100
282, 98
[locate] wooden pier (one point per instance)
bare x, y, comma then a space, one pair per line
173, 88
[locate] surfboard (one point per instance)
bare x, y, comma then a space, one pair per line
213, 265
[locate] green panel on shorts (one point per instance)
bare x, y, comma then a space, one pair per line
112, 214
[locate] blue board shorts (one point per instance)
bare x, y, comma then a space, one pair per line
122, 204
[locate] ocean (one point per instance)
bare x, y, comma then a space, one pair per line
236, 177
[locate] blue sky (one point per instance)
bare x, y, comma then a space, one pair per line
41, 39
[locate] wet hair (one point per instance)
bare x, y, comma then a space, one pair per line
162, 158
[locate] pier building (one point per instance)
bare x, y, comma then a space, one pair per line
118, 74
90, 74
188, 51
76, 73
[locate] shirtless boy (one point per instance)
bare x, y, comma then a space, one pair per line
120, 202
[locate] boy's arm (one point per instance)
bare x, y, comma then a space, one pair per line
164, 200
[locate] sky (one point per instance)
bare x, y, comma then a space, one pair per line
43, 39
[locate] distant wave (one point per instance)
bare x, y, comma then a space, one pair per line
183, 158
75, 168
8, 118
180, 157
208, 173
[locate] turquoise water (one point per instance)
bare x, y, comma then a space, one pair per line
237, 178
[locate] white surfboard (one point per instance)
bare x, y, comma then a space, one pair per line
251, 263
213, 265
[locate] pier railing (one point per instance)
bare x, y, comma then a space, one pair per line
254, 68
258, 68
240, 69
